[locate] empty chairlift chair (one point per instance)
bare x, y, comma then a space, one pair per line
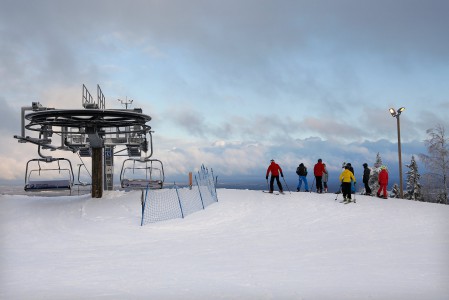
140, 174
48, 174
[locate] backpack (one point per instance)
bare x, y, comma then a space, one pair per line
301, 170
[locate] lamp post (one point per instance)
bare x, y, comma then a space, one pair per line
396, 114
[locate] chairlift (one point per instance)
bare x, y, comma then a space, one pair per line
41, 174
142, 173
79, 182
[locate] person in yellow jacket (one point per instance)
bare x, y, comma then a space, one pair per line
345, 178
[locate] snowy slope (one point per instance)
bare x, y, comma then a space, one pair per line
249, 245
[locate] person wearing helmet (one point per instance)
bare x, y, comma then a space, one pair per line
275, 170
366, 175
383, 182
346, 178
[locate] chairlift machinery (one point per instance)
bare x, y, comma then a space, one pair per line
95, 132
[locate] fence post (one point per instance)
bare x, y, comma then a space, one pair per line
199, 190
179, 200
190, 180
144, 202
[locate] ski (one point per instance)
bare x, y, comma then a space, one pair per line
270, 193
347, 202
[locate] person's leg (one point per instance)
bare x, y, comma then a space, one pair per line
299, 183
271, 183
346, 190
367, 188
279, 184
349, 187
385, 191
306, 185
319, 184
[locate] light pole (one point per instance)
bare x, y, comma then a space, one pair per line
396, 114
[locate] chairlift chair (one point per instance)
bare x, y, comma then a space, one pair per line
48, 178
142, 173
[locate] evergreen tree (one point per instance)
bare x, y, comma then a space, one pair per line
374, 176
438, 160
413, 189
395, 193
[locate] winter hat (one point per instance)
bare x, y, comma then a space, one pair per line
365, 165
383, 167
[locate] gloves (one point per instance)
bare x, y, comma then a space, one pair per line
266, 178
282, 175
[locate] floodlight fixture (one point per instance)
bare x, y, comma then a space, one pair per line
393, 112
396, 114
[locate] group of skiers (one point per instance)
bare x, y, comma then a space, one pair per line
347, 179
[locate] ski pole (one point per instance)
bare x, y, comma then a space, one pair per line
313, 182
268, 185
355, 188
286, 185
339, 192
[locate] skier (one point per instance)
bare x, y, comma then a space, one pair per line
275, 170
383, 181
346, 177
301, 170
366, 174
325, 178
318, 171
352, 183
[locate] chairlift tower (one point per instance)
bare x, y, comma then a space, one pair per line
92, 131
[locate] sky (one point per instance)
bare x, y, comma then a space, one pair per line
233, 84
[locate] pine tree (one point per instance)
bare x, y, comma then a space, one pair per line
438, 160
374, 176
413, 189
395, 193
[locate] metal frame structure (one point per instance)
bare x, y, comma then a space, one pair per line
92, 131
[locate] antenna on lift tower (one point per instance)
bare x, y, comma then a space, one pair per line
126, 102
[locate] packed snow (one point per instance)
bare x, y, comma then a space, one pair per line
249, 245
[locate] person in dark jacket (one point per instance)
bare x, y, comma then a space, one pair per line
366, 175
318, 171
275, 170
302, 173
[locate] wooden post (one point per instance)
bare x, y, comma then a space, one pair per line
190, 180
97, 172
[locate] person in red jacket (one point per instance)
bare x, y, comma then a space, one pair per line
275, 170
318, 171
383, 181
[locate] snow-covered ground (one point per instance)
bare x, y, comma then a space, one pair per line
249, 245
